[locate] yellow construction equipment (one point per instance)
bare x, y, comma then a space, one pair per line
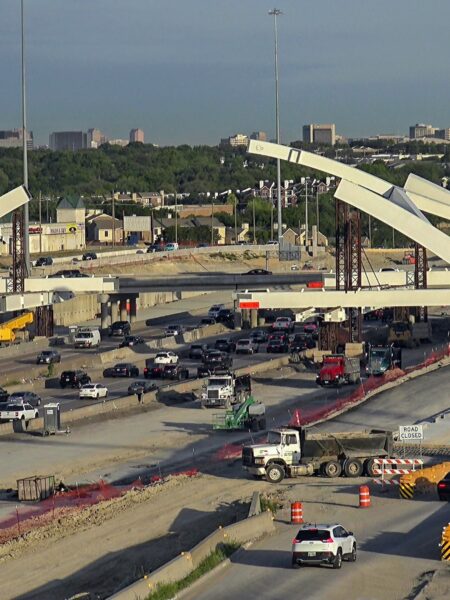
424, 480
8, 327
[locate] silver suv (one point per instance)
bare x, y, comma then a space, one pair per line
323, 544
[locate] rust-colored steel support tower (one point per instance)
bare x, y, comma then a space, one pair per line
16, 283
420, 278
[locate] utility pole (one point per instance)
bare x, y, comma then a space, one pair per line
176, 219
271, 221
254, 222
275, 12
26, 217
235, 221
114, 219
212, 220
40, 221
306, 213
317, 209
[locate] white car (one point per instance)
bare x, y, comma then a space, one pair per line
17, 412
166, 358
323, 544
246, 346
283, 324
93, 390
213, 312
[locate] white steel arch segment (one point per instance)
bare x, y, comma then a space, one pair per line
428, 196
12, 200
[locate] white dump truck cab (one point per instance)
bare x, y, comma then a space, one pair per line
225, 390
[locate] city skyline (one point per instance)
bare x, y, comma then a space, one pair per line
192, 74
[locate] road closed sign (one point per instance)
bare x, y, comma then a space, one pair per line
410, 432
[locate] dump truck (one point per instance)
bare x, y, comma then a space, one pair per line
226, 390
383, 358
297, 451
7, 329
250, 414
338, 369
408, 334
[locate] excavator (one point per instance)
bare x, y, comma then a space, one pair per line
8, 328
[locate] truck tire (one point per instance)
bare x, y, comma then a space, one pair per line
353, 467
333, 468
275, 473
369, 466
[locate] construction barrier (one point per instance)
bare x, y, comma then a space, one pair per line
445, 544
426, 479
296, 513
364, 496
406, 490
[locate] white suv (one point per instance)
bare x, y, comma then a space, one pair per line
323, 544
283, 324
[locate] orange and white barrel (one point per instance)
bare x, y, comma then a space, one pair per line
296, 512
364, 496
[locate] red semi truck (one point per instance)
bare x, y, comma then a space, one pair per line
338, 369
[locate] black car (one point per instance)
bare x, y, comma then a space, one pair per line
125, 370
25, 398
225, 345
225, 315
259, 336
89, 256
131, 340
152, 371
120, 328
74, 379
216, 357
197, 350
258, 272
146, 386
443, 488
278, 345
44, 261
175, 372
155, 248
4, 395
69, 273
207, 321
301, 342
47, 357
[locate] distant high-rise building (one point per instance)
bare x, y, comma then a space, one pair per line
320, 133
95, 138
443, 134
235, 140
68, 140
259, 135
136, 135
13, 138
420, 130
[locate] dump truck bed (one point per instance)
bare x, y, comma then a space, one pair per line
350, 444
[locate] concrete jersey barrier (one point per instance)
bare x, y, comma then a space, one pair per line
244, 531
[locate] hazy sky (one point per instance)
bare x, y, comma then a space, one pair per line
193, 71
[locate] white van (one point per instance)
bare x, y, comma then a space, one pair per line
87, 337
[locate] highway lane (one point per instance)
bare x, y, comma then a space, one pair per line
397, 543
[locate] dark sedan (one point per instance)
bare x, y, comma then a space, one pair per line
175, 372
125, 370
144, 385
443, 488
258, 272
25, 398
131, 340
278, 345
225, 345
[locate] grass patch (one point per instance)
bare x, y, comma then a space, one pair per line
270, 503
224, 256
166, 591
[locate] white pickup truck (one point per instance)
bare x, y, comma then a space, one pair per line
17, 412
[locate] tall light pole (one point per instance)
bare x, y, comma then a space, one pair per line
275, 12
26, 217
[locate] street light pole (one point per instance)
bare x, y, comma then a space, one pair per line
306, 213
176, 219
275, 12
235, 221
26, 215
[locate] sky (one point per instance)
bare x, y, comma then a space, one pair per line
194, 71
